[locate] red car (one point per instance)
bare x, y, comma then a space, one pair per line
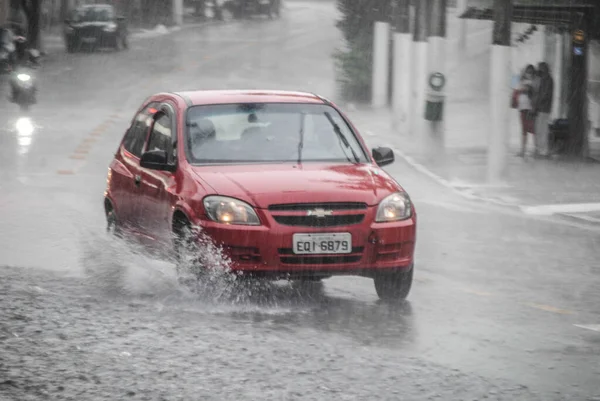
281, 182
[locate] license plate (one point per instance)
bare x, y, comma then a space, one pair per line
88, 40
318, 244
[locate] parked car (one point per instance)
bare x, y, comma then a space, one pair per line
280, 181
95, 25
246, 8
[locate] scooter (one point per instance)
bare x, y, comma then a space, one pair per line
23, 81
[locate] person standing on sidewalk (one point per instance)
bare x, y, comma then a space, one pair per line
542, 106
525, 107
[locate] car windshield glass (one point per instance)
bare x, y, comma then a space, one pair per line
270, 132
93, 14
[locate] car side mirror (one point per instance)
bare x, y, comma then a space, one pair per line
156, 160
383, 156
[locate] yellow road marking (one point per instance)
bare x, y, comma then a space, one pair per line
89, 140
96, 133
65, 172
77, 157
81, 151
477, 292
549, 308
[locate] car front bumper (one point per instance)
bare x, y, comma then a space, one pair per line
267, 250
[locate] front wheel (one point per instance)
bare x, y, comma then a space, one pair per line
393, 286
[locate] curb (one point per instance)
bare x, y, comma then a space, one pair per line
580, 221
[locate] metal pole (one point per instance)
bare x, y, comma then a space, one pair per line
381, 48
402, 74
500, 90
178, 12
577, 100
463, 27
420, 64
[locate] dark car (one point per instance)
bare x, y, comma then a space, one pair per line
246, 8
95, 26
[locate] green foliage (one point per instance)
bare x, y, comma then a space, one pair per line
354, 63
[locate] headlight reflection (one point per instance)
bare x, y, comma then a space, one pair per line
25, 130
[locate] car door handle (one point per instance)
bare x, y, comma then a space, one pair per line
137, 179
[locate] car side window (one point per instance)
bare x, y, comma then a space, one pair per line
161, 137
136, 136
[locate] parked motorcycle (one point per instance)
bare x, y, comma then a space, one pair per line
23, 81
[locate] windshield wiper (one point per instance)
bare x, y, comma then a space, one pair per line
301, 143
342, 137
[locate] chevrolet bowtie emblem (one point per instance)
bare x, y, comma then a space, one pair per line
319, 213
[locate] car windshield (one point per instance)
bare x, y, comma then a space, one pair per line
270, 132
93, 14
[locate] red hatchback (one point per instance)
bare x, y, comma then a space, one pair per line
281, 182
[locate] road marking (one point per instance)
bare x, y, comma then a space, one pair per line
548, 210
65, 172
593, 327
89, 140
477, 292
77, 157
549, 308
81, 151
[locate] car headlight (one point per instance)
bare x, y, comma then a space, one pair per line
110, 28
394, 208
24, 77
223, 209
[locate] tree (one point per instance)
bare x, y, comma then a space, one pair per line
354, 63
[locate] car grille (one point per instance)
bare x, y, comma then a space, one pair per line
314, 221
296, 214
296, 207
287, 257
90, 32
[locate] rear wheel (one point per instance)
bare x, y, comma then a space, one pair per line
393, 286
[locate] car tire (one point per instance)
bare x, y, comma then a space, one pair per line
393, 286
186, 249
112, 226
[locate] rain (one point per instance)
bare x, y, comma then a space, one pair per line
495, 168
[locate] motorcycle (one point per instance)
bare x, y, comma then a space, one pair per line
23, 81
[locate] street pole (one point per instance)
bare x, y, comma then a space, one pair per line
500, 90
434, 128
381, 51
420, 65
462, 26
578, 97
558, 74
4, 11
178, 12
402, 74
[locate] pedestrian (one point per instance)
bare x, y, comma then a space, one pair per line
524, 93
542, 106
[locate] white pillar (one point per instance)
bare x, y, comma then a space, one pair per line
419, 86
178, 12
499, 113
381, 46
434, 130
401, 96
461, 7
557, 75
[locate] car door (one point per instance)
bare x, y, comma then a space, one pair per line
126, 175
156, 186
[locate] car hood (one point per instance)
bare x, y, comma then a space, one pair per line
264, 185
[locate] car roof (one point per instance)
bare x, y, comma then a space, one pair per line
206, 97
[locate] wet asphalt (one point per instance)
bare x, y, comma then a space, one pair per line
495, 312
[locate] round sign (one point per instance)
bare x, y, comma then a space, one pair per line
437, 80
578, 36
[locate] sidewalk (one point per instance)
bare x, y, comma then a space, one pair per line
529, 183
